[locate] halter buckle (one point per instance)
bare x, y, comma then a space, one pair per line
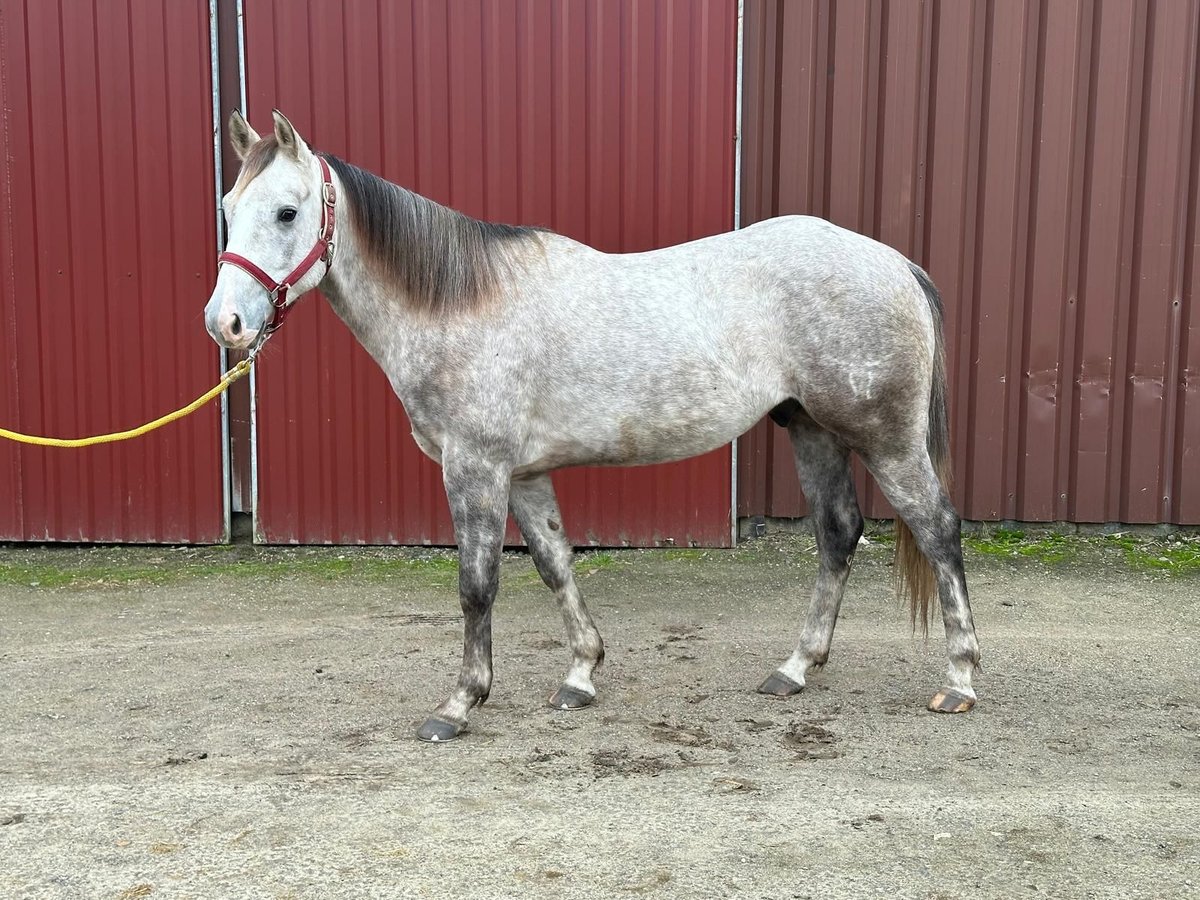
274, 295
327, 194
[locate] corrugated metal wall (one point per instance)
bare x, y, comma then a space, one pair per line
609, 122
107, 242
1041, 159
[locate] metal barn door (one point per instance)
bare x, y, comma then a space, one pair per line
609, 122
107, 244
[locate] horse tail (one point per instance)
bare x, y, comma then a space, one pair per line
915, 578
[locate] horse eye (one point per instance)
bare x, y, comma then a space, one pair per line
287, 214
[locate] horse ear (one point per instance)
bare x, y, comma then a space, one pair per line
241, 135
289, 139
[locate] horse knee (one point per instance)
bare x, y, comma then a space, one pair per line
478, 577
554, 569
556, 579
838, 535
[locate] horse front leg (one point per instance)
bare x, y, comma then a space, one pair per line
536, 510
478, 492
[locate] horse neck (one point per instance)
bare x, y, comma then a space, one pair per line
458, 263
368, 304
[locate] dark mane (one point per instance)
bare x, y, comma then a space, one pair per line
441, 260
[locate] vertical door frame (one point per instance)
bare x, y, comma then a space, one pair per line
737, 223
214, 48
222, 57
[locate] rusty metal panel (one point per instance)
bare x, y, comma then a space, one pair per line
1041, 160
107, 241
611, 122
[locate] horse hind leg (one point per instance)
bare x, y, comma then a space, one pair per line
911, 485
823, 464
535, 508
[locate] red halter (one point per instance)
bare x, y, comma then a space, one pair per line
322, 250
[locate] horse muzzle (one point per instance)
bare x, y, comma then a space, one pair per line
231, 327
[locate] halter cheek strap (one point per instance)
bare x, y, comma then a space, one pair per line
322, 250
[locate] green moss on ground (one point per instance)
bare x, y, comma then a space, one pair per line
73, 568
1046, 548
689, 554
1174, 556
60, 568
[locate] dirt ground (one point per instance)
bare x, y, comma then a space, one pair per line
239, 723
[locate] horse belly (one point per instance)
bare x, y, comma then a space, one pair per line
666, 430
687, 431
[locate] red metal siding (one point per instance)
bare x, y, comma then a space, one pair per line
106, 259
610, 122
1041, 160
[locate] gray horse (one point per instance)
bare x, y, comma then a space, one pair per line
517, 351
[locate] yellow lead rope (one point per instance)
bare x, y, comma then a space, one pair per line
229, 378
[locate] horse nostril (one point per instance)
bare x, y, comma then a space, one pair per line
235, 325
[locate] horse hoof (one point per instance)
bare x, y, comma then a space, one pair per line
437, 731
948, 700
567, 697
779, 685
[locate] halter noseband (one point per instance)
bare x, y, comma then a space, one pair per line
322, 250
